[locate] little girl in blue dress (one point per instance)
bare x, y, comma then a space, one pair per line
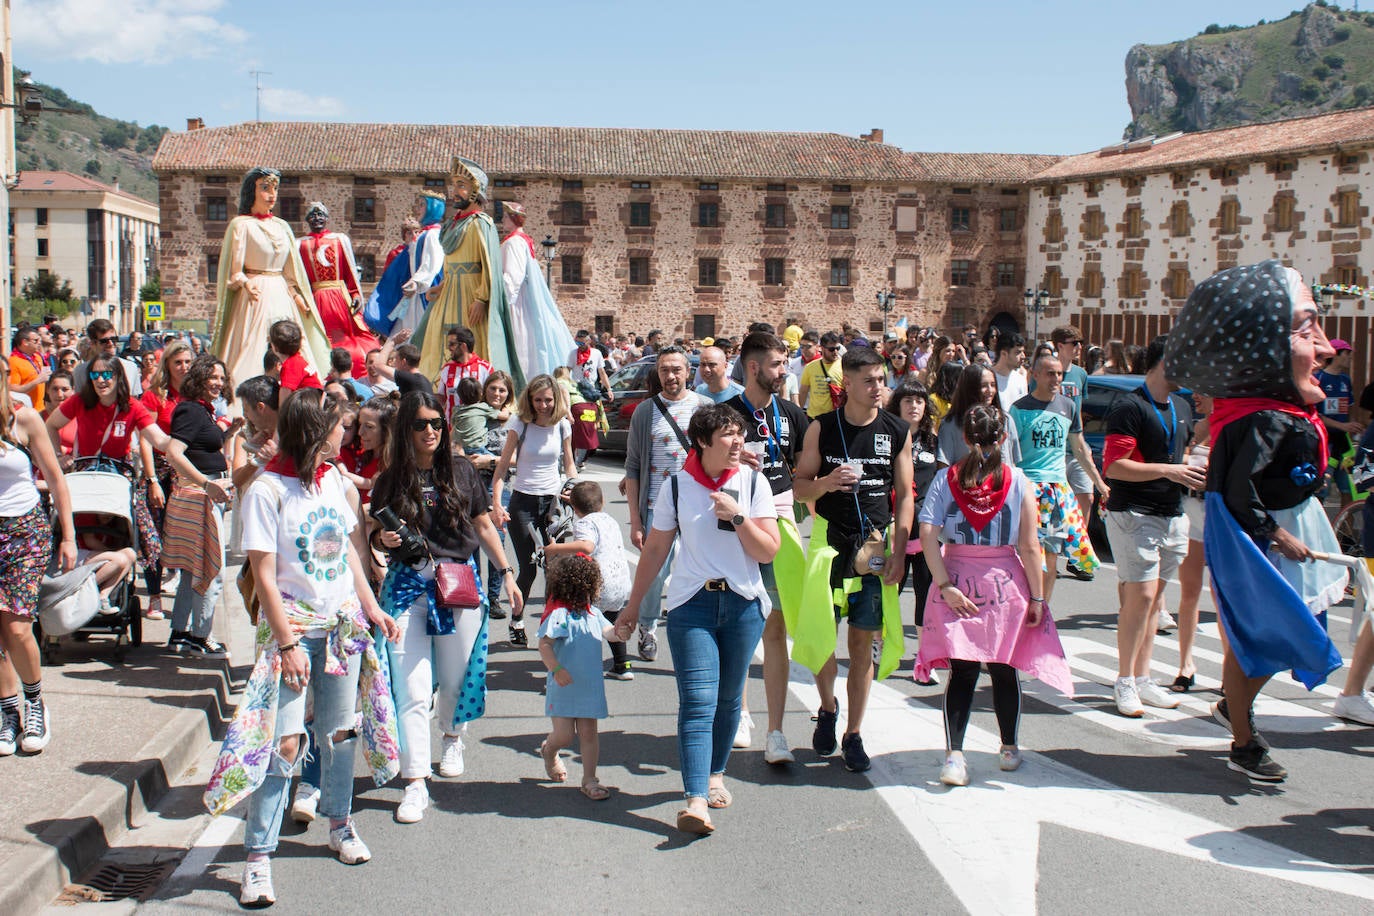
570, 636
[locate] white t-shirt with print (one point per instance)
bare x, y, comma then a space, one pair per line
308, 532
704, 550
609, 552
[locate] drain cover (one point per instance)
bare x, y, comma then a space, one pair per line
117, 882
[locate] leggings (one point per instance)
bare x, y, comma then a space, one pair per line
527, 514
919, 573
619, 654
1006, 700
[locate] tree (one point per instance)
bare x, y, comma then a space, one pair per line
47, 286
151, 291
92, 167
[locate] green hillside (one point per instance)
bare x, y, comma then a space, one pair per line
89, 143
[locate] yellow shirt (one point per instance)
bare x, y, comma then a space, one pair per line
817, 378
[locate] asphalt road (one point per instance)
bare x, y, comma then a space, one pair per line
1106, 815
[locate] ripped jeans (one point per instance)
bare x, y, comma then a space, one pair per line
334, 698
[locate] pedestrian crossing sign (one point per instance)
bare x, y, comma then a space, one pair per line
154, 311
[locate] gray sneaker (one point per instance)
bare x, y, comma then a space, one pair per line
648, 645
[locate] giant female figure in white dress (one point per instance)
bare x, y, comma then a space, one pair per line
539, 334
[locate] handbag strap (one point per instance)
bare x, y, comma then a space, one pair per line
667, 415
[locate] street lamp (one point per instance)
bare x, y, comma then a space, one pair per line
1036, 302
886, 300
550, 251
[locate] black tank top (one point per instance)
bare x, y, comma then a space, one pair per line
876, 446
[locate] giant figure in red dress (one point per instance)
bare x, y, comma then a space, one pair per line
333, 273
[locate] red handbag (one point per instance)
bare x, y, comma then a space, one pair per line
455, 586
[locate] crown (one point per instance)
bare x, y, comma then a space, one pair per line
432, 194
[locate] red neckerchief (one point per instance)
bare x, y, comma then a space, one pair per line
429, 226
319, 235
528, 241
583, 355
694, 470
982, 502
284, 466
1229, 410
464, 214
209, 408
267, 215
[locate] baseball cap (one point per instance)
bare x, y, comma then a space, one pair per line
891, 335
1338, 345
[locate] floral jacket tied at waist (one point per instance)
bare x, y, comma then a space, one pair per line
251, 739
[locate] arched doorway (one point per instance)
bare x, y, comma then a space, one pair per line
1005, 323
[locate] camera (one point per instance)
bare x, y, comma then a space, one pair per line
412, 550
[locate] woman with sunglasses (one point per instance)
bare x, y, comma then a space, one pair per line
539, 445
68, 359
441, 499
899, 366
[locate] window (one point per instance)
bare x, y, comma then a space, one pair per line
639, 186
1054, 282
1349, 214
499, 183
212, 267
1350, 163
639, 213
1006, 273
363, 181
364, 209
959, 219
367, 268
1284, 213
1178, 219
708, 272
959, 273
703, 326
1006, 219
1132, 283
777, 189
1092, 224
708, 186
905, 273
572, 268
961, 191
1054, 226
1230, 216
217, 179
774, 271
1178, 283
40, 216
775, 216
42, 248
906, 219
1092, 283
571, 213
1348, 275
217, 209
440, 184
1134, 222
839, 188
639, 271
573, 185
605, 324
839, 271
289, 209
1181, 179
1093, 188
294, 181
708, 215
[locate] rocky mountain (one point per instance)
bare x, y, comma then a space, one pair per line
81, 140
1317, 59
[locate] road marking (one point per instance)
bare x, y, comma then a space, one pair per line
212, 839
984, 839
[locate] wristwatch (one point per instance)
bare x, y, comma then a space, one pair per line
737, 520
501, 573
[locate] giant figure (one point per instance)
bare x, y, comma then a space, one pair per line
401, 298
538, 332
333, 272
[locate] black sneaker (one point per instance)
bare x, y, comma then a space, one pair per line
1080, 574
201, 647
517, 634
1220, 713
176, 642
37, 727
495, 611
1254, 761
621, 673
823, 738
855, 757
10, 728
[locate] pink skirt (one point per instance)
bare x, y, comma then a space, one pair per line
993, 579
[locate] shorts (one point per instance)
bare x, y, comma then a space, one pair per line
1195, 510
865, 606
26, 543
1079, 481
1146, 547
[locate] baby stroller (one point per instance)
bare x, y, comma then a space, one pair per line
102, 495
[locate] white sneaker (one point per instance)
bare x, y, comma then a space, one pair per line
413, 803
744, 733
451, 760
1151, 694
1127, 700
775, 749
255, 891
1166, 623
1355, 709
37, 727
955, 770
350, 848
10, 727
306, 805
1009, 759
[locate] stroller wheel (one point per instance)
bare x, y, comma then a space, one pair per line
119, 647
133, 610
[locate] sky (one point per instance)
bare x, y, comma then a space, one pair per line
1028, 77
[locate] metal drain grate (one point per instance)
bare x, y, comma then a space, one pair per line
117, 882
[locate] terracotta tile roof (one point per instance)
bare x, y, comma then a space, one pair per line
947, 168
66, 181
1297, 136
503, 150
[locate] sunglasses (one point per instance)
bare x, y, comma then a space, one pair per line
106, 340
102, 375
418, 424
763, 431
831, 349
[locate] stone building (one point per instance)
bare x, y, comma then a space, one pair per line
1122, 235
694, 232
100, 238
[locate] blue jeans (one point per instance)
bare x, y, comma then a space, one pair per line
193, 612
712, 637
651, 608
334, 697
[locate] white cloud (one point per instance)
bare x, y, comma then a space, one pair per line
297, 105
121, 31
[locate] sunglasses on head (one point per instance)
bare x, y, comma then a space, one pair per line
102, 375
419, 424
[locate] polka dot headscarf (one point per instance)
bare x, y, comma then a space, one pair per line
1232, 338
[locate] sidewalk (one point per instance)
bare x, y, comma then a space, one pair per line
121, 734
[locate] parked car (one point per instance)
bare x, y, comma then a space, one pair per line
630, 385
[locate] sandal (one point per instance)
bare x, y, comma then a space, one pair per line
718, 797
552, 765
594, 790
1183, 684
688, 821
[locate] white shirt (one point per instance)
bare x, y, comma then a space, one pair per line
704, 550
590, 370
539, 463
308, 532
1010, 388
609, 552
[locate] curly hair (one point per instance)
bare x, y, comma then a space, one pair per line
573, 581
193, 386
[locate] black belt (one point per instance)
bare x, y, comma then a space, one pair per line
716, 585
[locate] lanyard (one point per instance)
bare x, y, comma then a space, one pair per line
771, 441
1171, 427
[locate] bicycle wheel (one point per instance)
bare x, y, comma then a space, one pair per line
1349, 528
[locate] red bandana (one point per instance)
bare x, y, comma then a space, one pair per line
287, 468
583, 355
267, 215
1228, 410
694, 470
982, 502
